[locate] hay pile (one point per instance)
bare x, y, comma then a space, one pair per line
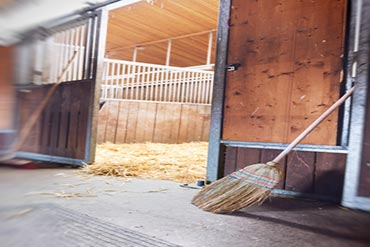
184, 163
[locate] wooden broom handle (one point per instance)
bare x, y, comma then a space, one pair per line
312, 126
36, 114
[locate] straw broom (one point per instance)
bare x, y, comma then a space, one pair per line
253, 184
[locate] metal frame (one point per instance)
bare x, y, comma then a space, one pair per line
101, 34
120, 4
361, 60
326, 198
280, 146
49, 158
215, 148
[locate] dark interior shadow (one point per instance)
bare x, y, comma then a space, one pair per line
31, 165
325, 190
320, 208
334, 233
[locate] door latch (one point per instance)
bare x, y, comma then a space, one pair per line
233, 67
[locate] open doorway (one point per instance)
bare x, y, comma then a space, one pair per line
158, 80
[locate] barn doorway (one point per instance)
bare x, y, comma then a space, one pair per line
158, 81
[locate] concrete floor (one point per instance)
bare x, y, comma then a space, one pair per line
160, 209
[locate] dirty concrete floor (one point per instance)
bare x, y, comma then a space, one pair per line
108, 211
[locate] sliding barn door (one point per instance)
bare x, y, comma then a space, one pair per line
65, 131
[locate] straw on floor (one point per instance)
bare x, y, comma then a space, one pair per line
184, 162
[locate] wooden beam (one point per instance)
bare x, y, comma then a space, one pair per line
164, 40
209, 52
135, 54
168, 52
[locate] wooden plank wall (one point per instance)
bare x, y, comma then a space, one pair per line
139, 121
307, 172
291, 60
7, 98
7, 91
62, 127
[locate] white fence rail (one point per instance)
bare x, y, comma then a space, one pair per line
149, 82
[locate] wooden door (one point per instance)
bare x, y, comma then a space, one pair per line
290, 55
65, 131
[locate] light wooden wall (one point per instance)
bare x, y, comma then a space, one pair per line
139, 121
7, 92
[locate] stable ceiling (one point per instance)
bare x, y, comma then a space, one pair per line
149, 25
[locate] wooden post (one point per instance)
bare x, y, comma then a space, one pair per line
168, 52
209, 53
134, 55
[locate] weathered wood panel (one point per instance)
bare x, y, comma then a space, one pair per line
138, 121
62, 127
300, 172
290, 69
184, 122
314, 173
247, 156
319, 47
230, 160
132, 119
112, 118
329, 173
7, 91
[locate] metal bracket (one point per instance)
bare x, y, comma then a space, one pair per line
233, 67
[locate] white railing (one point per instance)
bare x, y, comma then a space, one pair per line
52, 55
150, 82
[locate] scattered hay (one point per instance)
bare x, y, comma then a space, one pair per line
184, 163
63, 194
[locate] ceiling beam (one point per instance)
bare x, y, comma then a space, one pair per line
164, 40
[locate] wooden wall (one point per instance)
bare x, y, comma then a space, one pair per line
62, 128
307, 172
7, 99
139, 121
291, 60
7, 91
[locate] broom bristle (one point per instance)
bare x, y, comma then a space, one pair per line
244, 188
